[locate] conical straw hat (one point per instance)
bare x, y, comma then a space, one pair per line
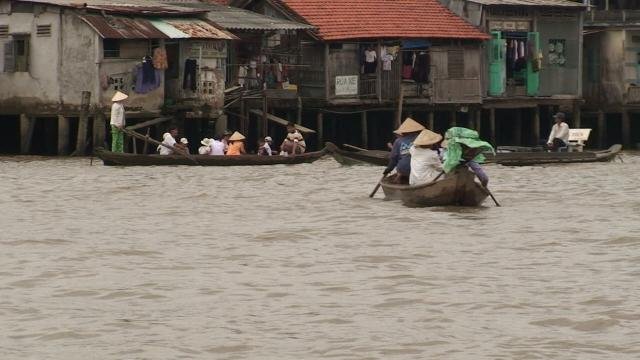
427, 137
236, 137
409, 126
119, 96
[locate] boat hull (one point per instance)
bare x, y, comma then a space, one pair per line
457, 189
124, 159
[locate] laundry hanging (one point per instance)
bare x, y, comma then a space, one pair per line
189, 81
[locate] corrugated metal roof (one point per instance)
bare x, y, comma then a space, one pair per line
547, 3
233, 18
137, 7
119, 27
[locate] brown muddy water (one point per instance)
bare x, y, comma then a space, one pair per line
296, 262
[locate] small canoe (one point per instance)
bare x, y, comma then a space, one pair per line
346, 157
517, 157
524, 158
457, 188
125, 159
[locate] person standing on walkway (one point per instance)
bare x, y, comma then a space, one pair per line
117, 122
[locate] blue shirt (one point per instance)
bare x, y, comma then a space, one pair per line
400, 158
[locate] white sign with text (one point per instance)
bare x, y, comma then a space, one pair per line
347, 85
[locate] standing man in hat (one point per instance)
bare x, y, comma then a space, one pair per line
559, 136
400, 158
117, 122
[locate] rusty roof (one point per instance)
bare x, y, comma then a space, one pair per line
131, 7
199, 29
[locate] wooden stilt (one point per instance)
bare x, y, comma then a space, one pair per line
492, 125
577, 116
536, 125
146, 141
363, 125
478, 120
63, 135
135, 146
320, 128
98, 130
431, 120
602, 129
517, 128
83, 124
398, 115
262, 128
626, 128
299, 111
27, 125
453, 119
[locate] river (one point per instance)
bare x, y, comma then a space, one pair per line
296, 262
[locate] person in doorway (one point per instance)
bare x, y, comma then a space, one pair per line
400, 158
370, 57
425, 158
236, 144
117, 121
217, 146
294, 143
205, 149
559, 136
169, 139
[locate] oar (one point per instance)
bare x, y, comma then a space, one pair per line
375, 190
354, 147
489, 192
153, 141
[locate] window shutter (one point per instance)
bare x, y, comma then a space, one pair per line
455, 64
9, 58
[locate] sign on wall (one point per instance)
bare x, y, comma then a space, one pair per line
347, 85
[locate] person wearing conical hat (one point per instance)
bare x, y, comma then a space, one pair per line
236, 144
425, 158
400, 158
117, 121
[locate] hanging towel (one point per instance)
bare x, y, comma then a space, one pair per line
160, 59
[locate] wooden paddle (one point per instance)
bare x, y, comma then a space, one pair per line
375, 190
354, 147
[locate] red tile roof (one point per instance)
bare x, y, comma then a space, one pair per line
358, 19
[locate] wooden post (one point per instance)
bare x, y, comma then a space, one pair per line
398, 117
492, 125
63, 135
243, 118
577, 116
319, 128
134, 144
262, 130
626, 128
299, 112
452, 120
517, 128
365, 134
27, 125
602, 129
83, 124
98, 129
431, 120
536, 125
146, 142
479, 120
327, 76
378, 72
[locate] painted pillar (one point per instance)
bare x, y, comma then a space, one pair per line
27, 124
492, 125
626, 128
63, 135
365, 134
602, 129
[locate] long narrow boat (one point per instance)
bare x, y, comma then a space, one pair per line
345, 157
515, 158
125, 159
457, 188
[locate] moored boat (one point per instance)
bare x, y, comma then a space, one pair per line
125, 159
346, 157
457, 188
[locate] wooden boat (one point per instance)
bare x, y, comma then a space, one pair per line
457, 188
346, 157
524, 158
125, 159
519, 157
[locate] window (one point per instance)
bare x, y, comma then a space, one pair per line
16, 54
43, 30
455, 63
4, 31
111, 48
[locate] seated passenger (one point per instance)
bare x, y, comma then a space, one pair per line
400, 158
559, 135
168, 138
294, 143
205, 149
217, 146
183, 145
236, 144
464, 147
425, 160
263, 147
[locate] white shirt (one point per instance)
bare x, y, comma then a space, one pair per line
217, 148
425, 165
369, 56
204, 150
560, 131
117, 114
267, 148
168, 140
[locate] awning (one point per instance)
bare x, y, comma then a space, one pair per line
121, 27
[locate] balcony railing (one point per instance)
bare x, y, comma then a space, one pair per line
612, 17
